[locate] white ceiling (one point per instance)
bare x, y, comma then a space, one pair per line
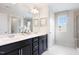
56, 7
16, 9
24, 8
20, 8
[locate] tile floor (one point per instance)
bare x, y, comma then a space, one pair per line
61, 50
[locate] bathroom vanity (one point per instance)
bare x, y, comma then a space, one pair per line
24, 32
24, 36
33, 45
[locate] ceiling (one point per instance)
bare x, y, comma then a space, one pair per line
20, 8
13, 9
57, 7
24, 8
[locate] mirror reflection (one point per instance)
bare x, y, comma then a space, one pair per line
23, 25
14, 18
15, 24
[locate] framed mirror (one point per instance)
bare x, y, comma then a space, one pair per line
15, 24
4, 23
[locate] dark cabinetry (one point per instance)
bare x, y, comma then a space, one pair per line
27, 50
18, 48
40, 45
10, 49
32, 46
43, 45
14, 52
35, 46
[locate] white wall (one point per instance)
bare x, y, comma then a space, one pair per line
57, 7
51, 24
66, 38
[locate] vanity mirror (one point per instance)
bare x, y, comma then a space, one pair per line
21, 25
15, 24
4, 23
28, 24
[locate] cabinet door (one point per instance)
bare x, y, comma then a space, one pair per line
15, 52
44, 43
27, 50
40, 46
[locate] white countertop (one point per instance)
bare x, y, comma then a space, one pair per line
17, 37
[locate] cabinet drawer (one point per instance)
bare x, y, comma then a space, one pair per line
43, 37
35, 44
27, 50
9, 47
35, 39
13, 46
15, 52
26, 42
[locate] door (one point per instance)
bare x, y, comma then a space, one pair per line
77, 31
44, 43
27, 50
64, 29
15, 52
40, 45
